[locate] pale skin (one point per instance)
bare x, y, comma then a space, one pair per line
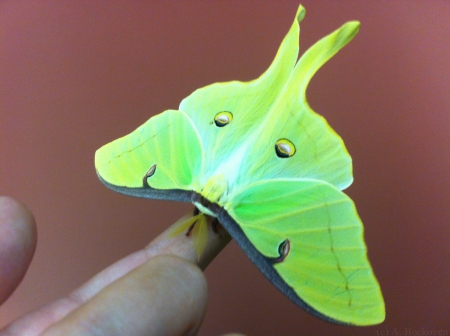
159, 290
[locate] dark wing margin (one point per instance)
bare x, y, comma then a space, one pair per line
265, 264
148, 192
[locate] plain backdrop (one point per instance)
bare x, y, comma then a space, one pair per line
75, 75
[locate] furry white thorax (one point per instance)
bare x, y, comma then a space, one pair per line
219, 186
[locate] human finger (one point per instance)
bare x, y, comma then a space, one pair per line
166, 244
17, 244
165, 296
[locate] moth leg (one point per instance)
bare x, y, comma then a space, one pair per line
194, 213
189, 230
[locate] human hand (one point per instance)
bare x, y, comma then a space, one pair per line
159, 290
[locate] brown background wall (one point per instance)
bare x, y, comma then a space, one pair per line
78, 74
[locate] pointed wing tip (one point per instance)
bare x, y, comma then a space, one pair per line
98, 159
105, 172
351, 28
378, 319
354, 23
301, 12
99, 163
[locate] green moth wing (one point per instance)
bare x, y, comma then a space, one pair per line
307, 239
256, 156
319, 152
261, 108
245, 101
167, 149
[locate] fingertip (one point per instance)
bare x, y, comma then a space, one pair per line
18, 214
18, 224
17, 243
167, 295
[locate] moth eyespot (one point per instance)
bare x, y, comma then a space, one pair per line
284, 148
148, 174
283, 250
223, 118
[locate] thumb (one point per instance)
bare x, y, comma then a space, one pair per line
17, 244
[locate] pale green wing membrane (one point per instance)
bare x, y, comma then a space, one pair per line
317, 151
309, 242
259, 158
163, 154
269, 109
247, 102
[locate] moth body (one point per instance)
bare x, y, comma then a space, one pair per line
256, 156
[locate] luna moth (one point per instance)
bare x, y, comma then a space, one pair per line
255, 156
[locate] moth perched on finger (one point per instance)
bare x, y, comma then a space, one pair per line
255, 156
